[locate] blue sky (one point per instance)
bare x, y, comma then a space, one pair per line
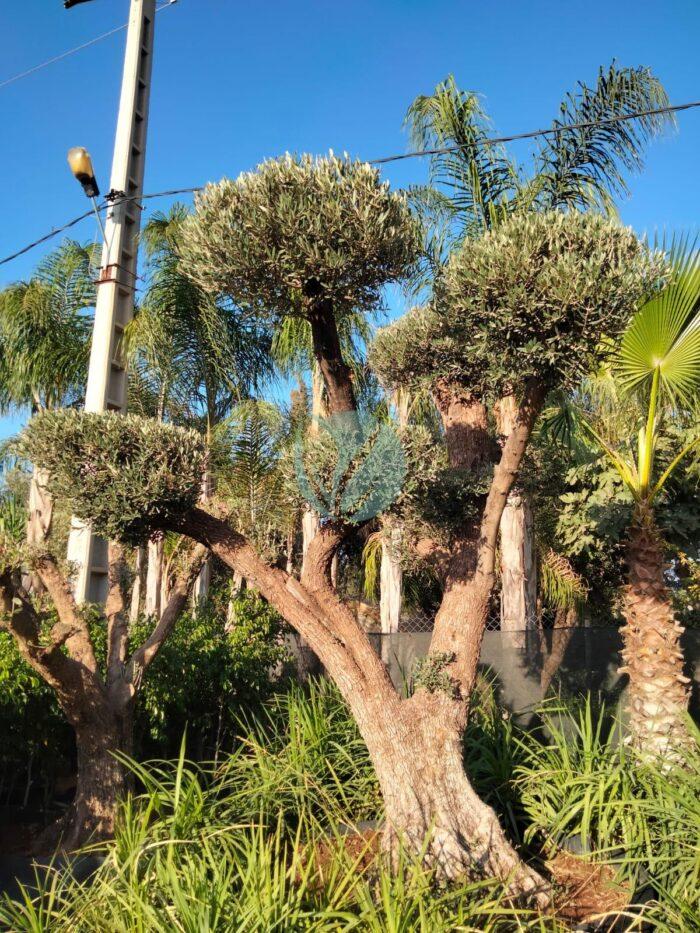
236, 82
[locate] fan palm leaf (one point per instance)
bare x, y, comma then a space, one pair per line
664, 336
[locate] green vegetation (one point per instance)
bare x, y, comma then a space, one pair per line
261, 841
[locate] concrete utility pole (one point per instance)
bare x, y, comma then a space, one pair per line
107, 377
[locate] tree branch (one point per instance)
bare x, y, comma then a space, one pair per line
79, 644
144, 656
324, 630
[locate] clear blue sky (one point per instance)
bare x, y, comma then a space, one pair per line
236, 82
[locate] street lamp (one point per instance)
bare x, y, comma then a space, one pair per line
69, 3
81, 166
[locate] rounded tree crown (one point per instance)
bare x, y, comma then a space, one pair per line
299, 230
125, 475
533, 298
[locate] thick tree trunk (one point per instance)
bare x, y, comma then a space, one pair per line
518, 563
415, 744
658, 694
101, 783
431, 807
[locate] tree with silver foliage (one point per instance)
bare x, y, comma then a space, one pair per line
518, 312
127, 475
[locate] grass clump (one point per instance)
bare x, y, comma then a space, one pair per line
260, 842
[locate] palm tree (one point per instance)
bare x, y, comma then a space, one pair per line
45, 329
477, 185
196, 357
657, 365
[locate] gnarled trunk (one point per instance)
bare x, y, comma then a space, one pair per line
431, 807
102, 780
658, 693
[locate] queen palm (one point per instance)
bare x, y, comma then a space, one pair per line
45, 332
477, 185
658, 365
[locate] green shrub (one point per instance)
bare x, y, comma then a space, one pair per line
205, 677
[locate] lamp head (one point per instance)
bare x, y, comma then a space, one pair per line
81, 166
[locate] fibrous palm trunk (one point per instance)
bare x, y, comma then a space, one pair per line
658, 691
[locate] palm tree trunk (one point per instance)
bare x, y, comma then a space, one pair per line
658, 693
391, 581
518, 565
154, 577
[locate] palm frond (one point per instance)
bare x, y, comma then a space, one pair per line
371, 565
561, 586
479, 179
585, 167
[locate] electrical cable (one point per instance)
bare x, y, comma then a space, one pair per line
78, 48
381, 161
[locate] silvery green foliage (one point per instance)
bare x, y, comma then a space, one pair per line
300, 228
360, 477
533, 297
124, 474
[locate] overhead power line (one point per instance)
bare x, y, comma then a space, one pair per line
490, 141
78, 48
549, 131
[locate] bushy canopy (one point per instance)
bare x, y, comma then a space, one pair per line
299, 229
123, 474
533, 297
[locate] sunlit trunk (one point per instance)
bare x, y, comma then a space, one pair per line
518, 565
658, 692
391, 581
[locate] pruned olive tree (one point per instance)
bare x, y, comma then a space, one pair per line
130, 474
519, 311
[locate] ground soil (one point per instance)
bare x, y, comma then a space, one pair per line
587, 894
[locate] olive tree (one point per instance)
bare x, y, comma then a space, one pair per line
518, 311
129, 475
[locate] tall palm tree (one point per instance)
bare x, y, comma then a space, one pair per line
477, 185
658, 365
45, 329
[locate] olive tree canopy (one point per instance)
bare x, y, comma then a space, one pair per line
532, 298
121, 473
300, 229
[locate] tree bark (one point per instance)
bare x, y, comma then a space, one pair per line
391, 581
658, 692
38, 520
517, 539
102, 780
431, 807
154, 577
137, 588
327, 352
470, 574
414, 744
518, 565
